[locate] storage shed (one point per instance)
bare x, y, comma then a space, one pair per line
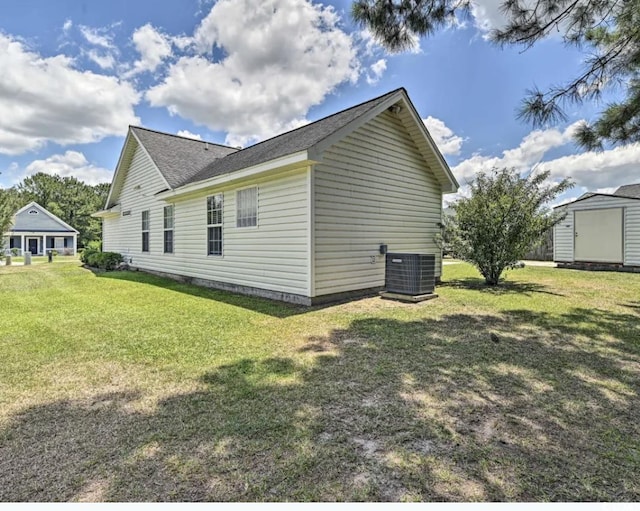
600, 231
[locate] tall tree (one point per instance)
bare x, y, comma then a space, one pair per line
8, 206
68, 198
504, 216
606, 31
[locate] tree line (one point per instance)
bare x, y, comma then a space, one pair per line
70, 199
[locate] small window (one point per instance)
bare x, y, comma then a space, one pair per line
247, 207
145, 231
168, 229
214, 225
33, 211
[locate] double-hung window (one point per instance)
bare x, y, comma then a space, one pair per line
145, 231
214, 225
247, 207
168, 229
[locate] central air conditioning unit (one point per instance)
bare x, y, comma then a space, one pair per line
410, 274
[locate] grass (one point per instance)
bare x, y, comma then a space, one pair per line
124, 386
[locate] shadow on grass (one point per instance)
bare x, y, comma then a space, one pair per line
505, 287
388, 410
256, 304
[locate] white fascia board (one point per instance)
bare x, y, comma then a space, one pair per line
300, 158
107, 213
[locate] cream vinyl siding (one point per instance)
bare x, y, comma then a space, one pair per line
373, 187
565, 231
273, 255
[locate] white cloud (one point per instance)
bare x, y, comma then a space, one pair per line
487, 15
188, 134
69, 164
590, 171
103, 60
67, 25
153, 47
97, 36
446, 140
531, 150
377, 69
47, 99
280, 58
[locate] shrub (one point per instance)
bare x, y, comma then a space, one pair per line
503, 216
104, 260
15, 252
93, 247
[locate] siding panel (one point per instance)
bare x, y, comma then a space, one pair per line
273, 255
372, 187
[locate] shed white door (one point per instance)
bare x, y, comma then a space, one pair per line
598, 235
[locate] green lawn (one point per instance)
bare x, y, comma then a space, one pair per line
123, 386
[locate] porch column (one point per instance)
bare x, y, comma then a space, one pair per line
22, 244
44, 244
75, 244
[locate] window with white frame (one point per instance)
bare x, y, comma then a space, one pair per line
168, 229
247, 207
145, 231
214, 225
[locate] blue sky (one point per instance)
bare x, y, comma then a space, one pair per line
77, 73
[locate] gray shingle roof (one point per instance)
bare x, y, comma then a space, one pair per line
179, 158
629, 191
183, 160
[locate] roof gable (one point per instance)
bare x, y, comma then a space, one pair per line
317, 136
177, 158
287, 143
34, 217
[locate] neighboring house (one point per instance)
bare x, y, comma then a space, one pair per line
300, 217
37, 230
601, 231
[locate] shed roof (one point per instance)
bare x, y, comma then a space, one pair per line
632, 191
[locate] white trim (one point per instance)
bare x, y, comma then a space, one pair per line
221, 225
46, 212
311, 232
299, 159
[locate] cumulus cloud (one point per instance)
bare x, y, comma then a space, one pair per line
528, 153
590, 171
259, 82
48, 99
188, 134
153, 47
69, 164
376, 69
67, 25
444, 137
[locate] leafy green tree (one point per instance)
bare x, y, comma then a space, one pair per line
607, 32
503, 217
70, 199
8, 205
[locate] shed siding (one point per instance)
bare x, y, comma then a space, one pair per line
372, 187
271, 256
564, 231
563, 239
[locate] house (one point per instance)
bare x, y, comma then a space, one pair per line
37, 230
600, 231
301, 217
